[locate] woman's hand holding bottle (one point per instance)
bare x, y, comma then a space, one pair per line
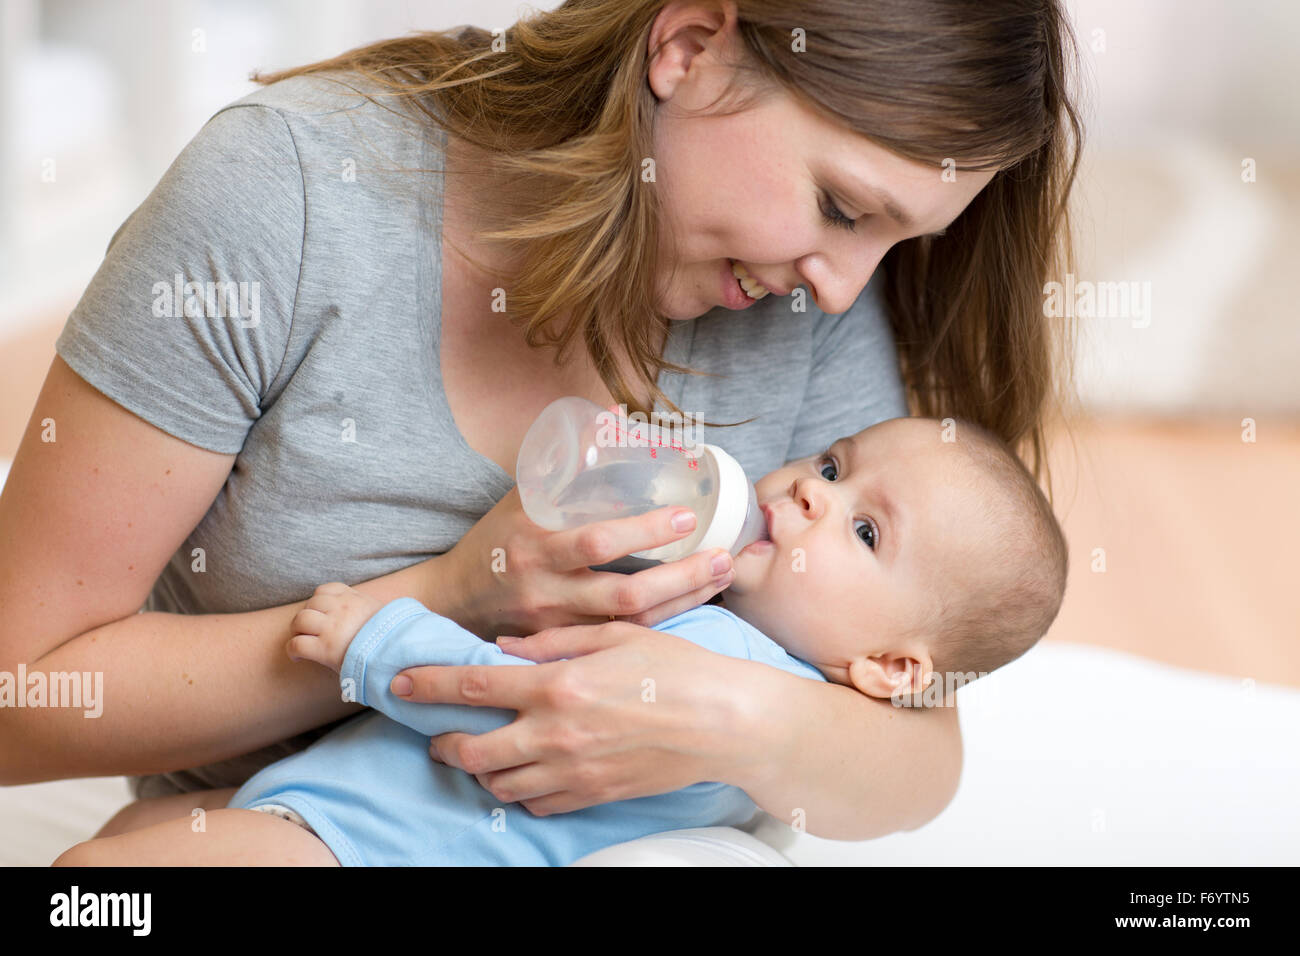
507, 575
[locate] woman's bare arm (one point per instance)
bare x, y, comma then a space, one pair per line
839, 764
87, 523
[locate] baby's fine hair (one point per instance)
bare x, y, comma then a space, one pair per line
1020, 590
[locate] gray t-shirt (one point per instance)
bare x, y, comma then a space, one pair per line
314, 357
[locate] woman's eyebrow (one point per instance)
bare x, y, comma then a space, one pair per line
894, 211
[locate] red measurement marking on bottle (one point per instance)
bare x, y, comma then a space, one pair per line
654, 444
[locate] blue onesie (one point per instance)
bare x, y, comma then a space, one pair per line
371, 792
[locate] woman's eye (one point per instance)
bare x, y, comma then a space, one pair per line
831, 213
867, 532
828, 464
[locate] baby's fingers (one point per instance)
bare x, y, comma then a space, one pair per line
309, 621
332, 587
304, 647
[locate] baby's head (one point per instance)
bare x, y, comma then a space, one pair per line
908, 548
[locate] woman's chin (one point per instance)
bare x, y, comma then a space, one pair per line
684, 313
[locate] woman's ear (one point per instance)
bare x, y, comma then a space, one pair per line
680, 32
890, 675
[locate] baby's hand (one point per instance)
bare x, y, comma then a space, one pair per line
325, 627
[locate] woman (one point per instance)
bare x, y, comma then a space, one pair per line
324, 393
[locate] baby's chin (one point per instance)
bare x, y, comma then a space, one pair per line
747, 596
741, 606
751, 567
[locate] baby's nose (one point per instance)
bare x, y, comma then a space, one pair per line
808, 500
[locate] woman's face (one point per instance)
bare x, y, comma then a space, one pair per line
757, 187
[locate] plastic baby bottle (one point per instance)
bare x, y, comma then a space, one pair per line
581, 463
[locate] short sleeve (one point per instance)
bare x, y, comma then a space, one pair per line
854, 381
186, 321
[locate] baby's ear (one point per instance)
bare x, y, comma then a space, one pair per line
888, 675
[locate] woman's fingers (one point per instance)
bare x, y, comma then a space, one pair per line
513, 688
573, 640
507, 775
550, 581
669, 609
604, 541
632, 595
516, 784
480, 754
562, 801
590, 738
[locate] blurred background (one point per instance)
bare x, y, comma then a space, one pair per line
1176, 483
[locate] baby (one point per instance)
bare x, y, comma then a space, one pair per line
911, 550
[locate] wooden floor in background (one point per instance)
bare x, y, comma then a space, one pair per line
1199, 531
1200, 535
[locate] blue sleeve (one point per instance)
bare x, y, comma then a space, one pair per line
854, 381
718, 630
404, 633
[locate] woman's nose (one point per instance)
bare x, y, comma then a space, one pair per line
837, 285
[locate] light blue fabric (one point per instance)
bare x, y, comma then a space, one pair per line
370, 790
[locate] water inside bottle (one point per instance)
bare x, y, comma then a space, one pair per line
626, 488
629, 488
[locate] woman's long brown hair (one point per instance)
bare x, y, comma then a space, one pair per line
565, 108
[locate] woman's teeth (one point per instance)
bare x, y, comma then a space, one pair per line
753, 288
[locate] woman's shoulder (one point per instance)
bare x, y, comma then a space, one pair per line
323, 94
340, 109
361, 158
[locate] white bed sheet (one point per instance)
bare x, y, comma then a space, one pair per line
1080, 755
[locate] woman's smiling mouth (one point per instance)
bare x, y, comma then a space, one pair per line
741, 288
753, 288
733, 295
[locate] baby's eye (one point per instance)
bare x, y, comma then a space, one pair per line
828, 463
866, 530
